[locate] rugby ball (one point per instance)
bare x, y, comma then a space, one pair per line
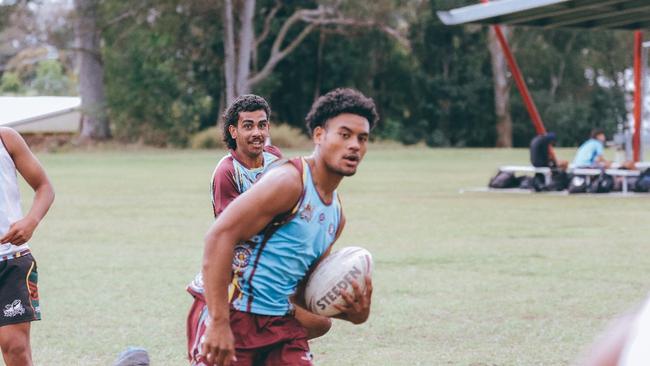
336, 273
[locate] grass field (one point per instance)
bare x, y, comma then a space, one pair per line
461, 279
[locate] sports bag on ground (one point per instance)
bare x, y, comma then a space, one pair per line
504, 180
601, 184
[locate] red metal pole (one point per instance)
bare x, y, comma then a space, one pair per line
636, 139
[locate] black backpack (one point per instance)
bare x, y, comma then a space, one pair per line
601, 184
559, 181
527, 183
504, 180
578, 184
643, 183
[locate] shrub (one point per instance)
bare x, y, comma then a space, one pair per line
10, 83
210, 138
287, 137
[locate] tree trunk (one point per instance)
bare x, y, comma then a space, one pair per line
229, 50
245, 47
94, 120
222, 107
501, 90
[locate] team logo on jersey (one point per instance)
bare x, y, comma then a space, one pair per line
14, 309
306, 213
330, 229
321, 217
241, 258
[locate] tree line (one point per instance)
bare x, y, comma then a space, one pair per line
159, 71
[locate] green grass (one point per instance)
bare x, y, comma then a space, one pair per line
461, 279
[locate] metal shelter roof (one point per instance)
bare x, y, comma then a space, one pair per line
41, 114
604, 14
19, 110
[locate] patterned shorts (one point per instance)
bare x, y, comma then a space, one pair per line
19, 290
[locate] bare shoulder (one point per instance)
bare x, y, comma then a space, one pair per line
279, 188
286, 178
10, 133
12, 140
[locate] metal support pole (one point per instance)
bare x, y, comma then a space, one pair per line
638, 91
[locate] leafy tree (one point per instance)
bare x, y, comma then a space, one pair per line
10, 84
451, 103
166, 71
50, 79
570, 101
286, 25
163, 73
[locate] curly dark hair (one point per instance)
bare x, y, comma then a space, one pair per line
338, 101
243, 103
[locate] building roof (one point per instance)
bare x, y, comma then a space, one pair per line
40, 114
603, 14
18, 110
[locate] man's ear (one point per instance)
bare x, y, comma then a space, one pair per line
317, 135
233, 131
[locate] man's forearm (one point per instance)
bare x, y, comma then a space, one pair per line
316, 325
217, 261
43, 198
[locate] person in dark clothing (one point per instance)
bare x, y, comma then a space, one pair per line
539, 152
540, 157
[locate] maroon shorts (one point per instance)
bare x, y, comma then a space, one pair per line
259, 339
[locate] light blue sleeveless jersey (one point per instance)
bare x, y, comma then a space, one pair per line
267, 272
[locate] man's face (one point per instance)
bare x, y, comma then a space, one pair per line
342, 142
251, 132
601, 137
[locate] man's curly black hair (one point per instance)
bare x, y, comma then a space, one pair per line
243, 103
339, 101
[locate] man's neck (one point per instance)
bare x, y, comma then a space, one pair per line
324, 179
248, 161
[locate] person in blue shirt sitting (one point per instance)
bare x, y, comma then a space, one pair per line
590, 153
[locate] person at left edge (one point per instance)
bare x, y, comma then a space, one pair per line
19, 301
